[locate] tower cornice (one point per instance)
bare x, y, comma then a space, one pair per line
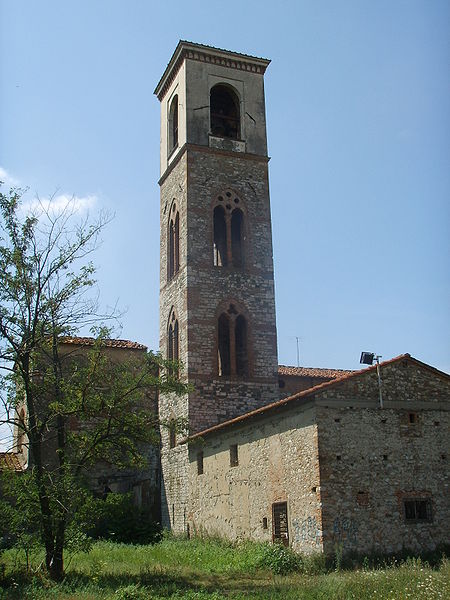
205, 149
207, 54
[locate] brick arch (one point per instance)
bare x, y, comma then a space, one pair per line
229, 229
225, 111
173, 336
173, 240
234, 348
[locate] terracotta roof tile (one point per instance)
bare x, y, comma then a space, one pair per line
10, 461
90, 341
312, 372
311, 392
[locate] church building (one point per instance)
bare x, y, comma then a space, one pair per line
306, 457
217, 306
311, 458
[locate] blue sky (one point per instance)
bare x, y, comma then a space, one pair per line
357, 100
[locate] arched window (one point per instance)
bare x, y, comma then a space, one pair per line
236, 237
220, 237
224, 345
225, 113
173, 242
173, 345
228, 226
232, 349
173, 124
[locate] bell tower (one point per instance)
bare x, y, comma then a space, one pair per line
217, 308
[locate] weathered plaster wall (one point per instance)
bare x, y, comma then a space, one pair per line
278, 461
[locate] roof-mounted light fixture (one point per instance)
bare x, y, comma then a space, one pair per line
367, 358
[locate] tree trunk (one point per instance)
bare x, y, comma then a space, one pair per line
57, 564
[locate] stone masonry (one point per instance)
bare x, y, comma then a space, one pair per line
201, 168
345, 467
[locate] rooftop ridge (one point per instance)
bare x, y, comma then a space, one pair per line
312, 371
109, 343
310, 392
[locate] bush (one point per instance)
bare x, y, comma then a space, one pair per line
117, 518
279, 559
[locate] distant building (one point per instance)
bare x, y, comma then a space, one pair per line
318, 467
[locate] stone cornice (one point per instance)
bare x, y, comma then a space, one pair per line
208, 150
208, 54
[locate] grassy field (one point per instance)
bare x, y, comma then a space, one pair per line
215, 570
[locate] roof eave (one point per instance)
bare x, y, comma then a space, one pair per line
184, 46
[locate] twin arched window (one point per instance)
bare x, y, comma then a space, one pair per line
228, 224
173, 125
232, 344
173, 242
225, 112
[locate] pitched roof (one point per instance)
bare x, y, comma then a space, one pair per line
10, 461
310, 392
109, 343
312, 372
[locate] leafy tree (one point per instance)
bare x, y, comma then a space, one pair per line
78, 408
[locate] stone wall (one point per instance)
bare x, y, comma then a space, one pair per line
197, 292
371, 459
343, 465
278, 462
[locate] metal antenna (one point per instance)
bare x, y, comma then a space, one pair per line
298, 351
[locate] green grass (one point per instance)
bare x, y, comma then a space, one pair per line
214, 570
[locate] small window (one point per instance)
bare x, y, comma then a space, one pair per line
280, 531
281, 383
220, 238
173, 338
417, 510
173, 125
200, 463
234, 459
362, 498
264, 523
338, 457
412, 418
173, 243
172, 435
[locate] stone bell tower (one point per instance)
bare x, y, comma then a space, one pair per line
217, 308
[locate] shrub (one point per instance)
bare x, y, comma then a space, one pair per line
279, 559
130, 592
117, 518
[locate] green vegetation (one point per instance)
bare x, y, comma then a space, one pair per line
215, 570
70, 411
